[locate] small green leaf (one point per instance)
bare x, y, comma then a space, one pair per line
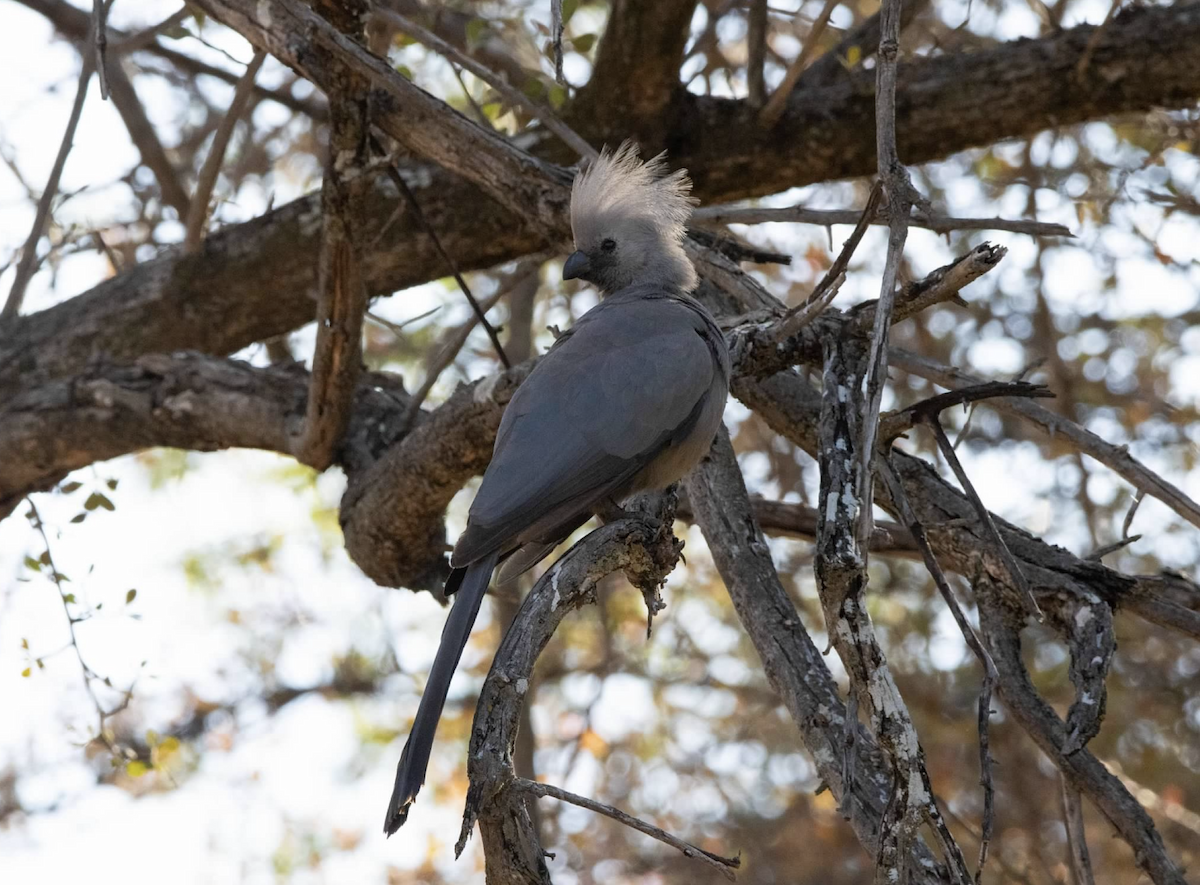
584, 42
69, 597
67, 487
404, 71
476, 28
98, 499
27, 672
79, 517
130, 596
112, 484
44, 559
137, 768
25, 643
32, 564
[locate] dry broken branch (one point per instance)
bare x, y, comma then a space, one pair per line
733, 214
724, 865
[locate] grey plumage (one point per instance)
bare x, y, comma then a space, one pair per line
629, 399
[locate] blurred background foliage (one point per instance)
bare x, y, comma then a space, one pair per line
283, 638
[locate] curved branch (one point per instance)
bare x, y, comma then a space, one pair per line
647, 552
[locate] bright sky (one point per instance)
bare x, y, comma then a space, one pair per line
303, 776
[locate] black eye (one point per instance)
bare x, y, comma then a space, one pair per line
608, 245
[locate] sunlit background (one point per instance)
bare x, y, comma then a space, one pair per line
271, 685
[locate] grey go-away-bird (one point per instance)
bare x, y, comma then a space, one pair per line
629, 399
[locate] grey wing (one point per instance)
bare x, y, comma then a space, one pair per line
593, 413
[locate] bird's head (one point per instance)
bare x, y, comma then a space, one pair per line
629, 220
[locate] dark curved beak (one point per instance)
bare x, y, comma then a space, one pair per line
576, 266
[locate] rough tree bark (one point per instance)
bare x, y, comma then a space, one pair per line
89, 380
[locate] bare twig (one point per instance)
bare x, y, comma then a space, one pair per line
513, 95
900, 195
896, 423
725, 865
444, 352
827, 288
1016, 576
405, 191
1081, 862
737, 214
100, 43
145, 139
986, 688
1116, 458
756, 39
28, 263
397, 328
1133, 509
1100, 552
556, 28
197, 216
773, 109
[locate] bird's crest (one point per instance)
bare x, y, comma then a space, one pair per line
618, 184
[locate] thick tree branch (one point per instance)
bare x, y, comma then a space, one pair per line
342, 303
187, 401
257, 280
793, 664
636, 79
646, 551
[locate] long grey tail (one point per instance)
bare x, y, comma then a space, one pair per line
410, 773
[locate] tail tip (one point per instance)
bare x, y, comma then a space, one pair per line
397, 814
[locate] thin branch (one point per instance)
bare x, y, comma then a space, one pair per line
513, 95
986, 688
89, 675
773, 110
738, 214
405, 191
900, 195
28, 264
724, 865
1116, 458
397, 328
1015, 575
556, 29
145, 139
1081, 768
100, 43
1132, 512
794, 520
1077, 849
827, 288
197, 216
442, 354
756, 39
896, 423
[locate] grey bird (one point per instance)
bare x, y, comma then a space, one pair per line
629, 399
